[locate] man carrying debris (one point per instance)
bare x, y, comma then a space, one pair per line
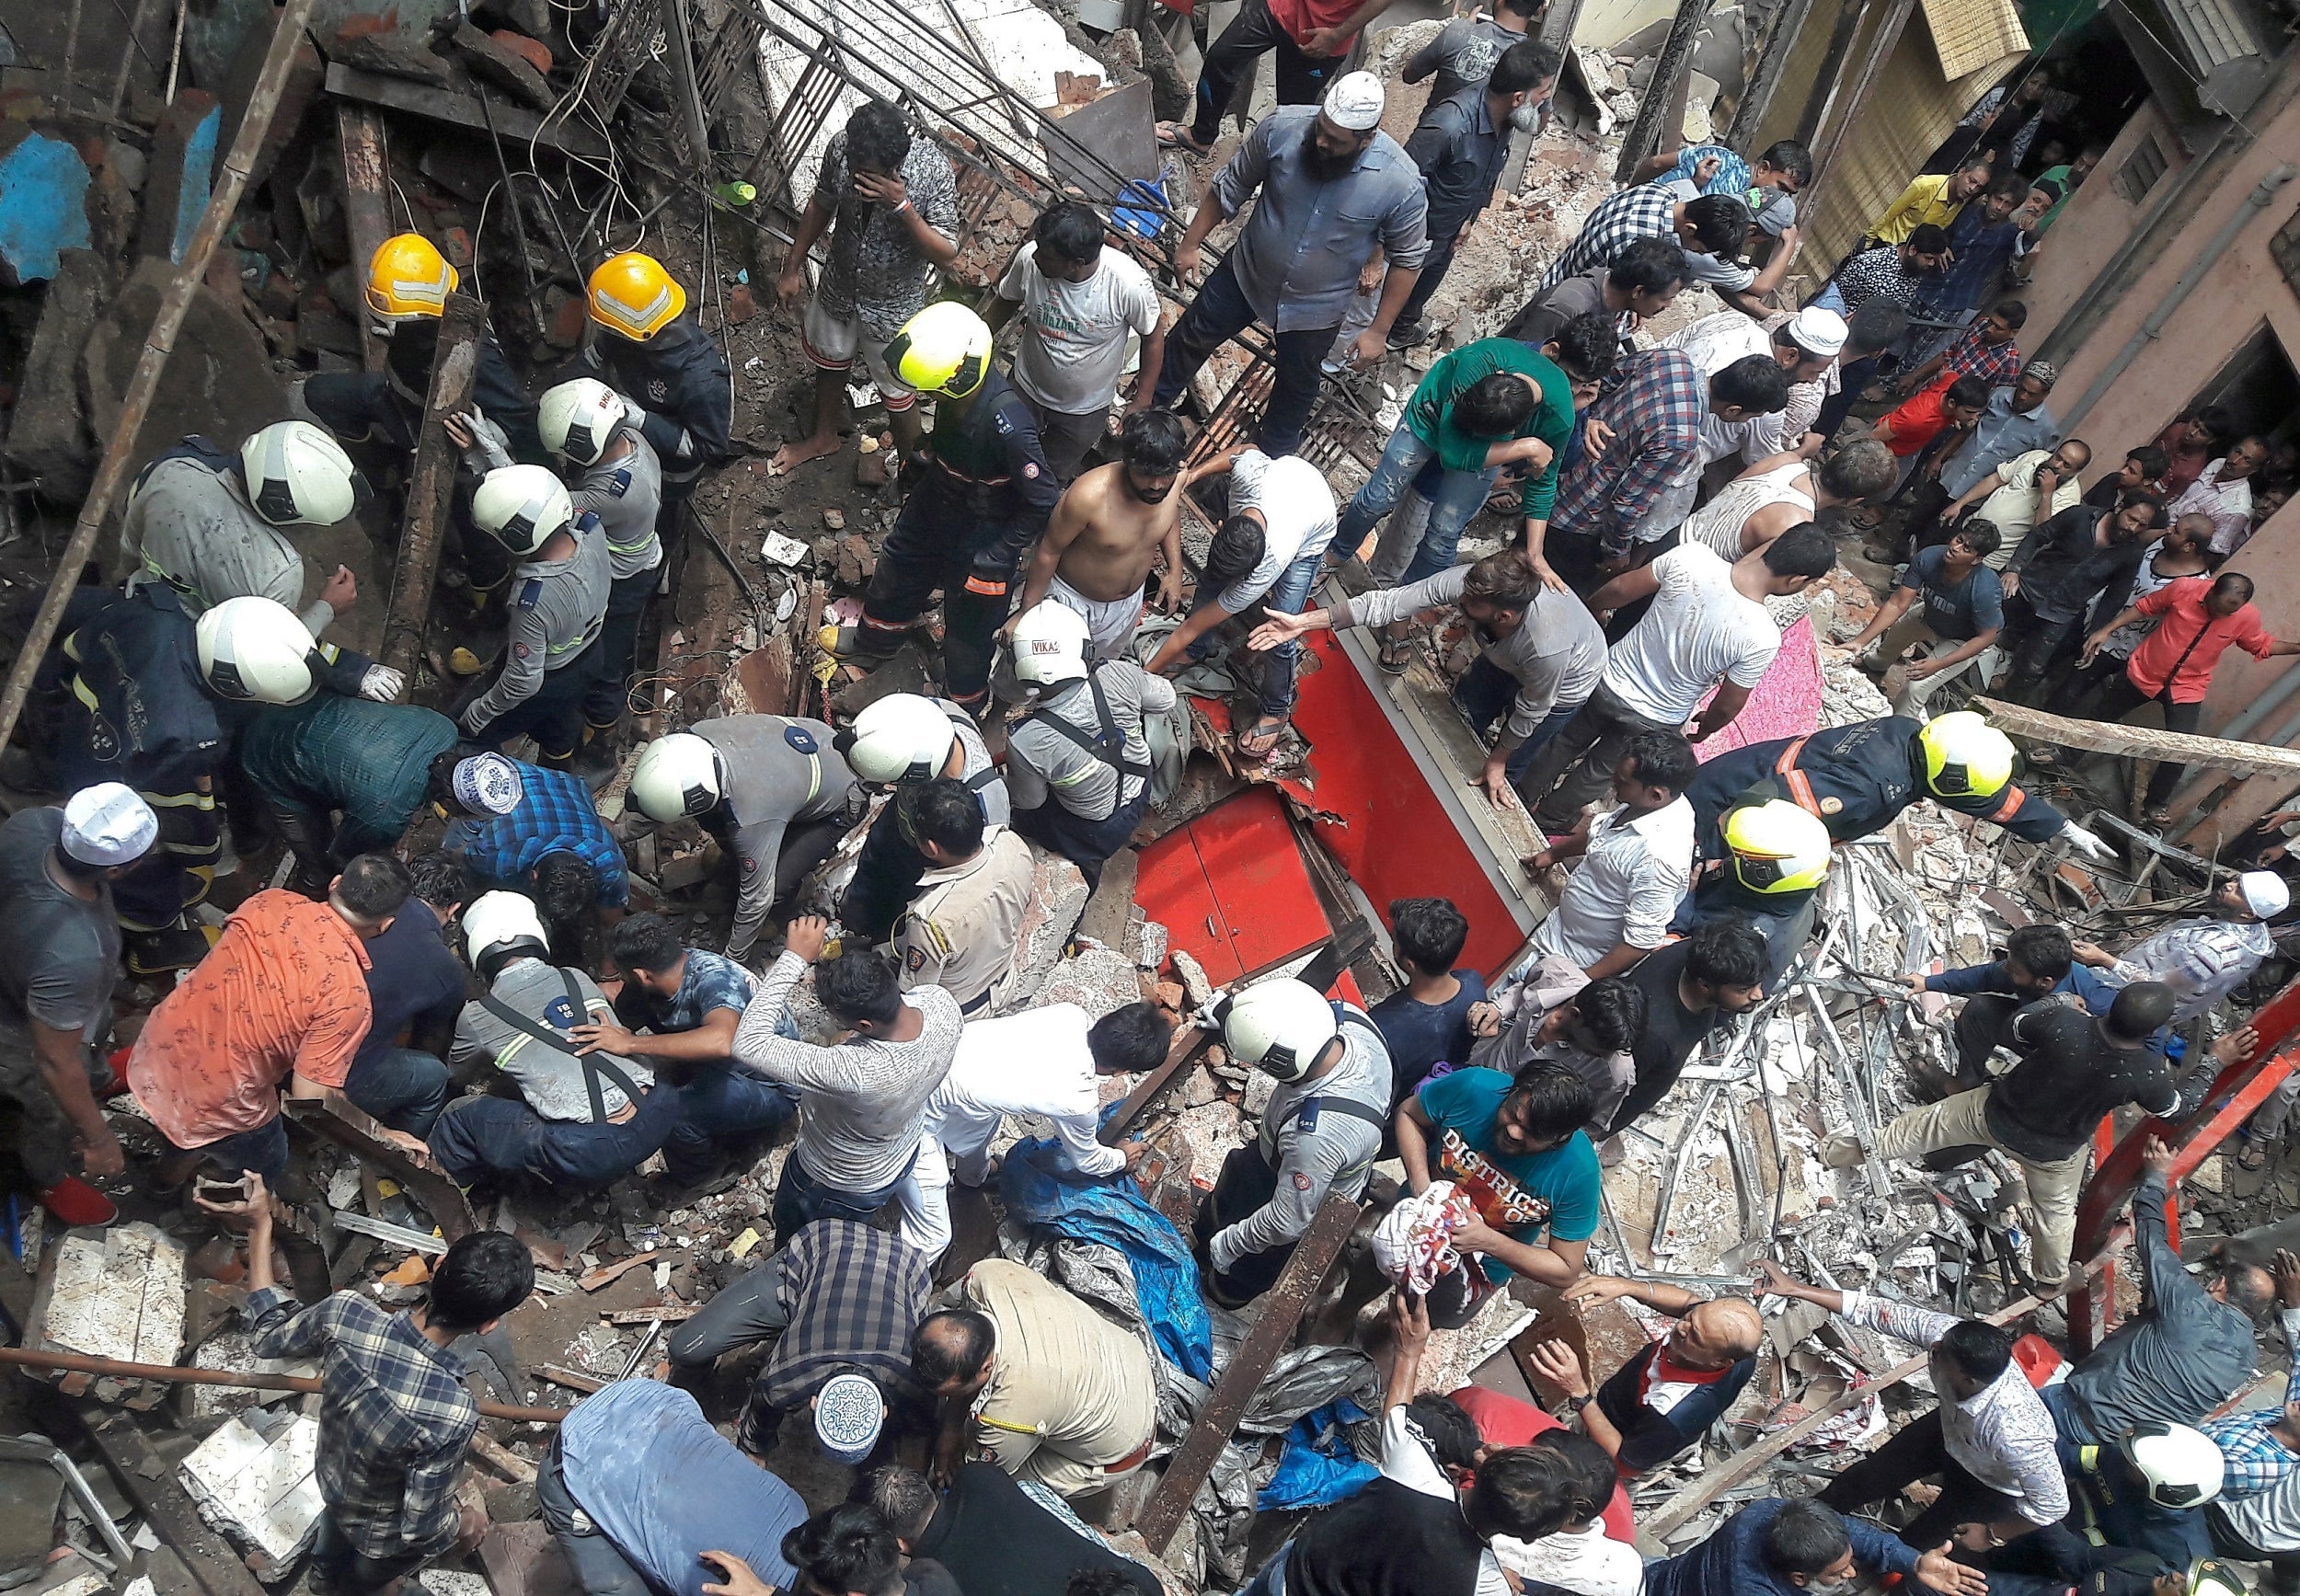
1078, 762
1337, 196
1635, 863
862, 1100
986, 496
1079, 299
1097, 553
771, 790
1319, 1136
839, 1297
1554, 1011
1662, 1401
2073, 1071
395, 1419
58, 959
557, 609
646, 348
1036, 1380
890, 204
549, 844
1791, 1547
2038, 965
902, 739
1989, 1441
962, 932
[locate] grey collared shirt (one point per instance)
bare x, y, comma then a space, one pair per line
1460, 153
1298, 258
2001, 434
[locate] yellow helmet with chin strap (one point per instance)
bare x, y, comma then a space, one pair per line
1965, 756
631, 295
409, 278
1776, 847
943, 348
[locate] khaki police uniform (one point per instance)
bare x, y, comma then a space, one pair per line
960, 931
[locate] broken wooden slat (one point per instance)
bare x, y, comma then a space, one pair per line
360, 134
571, 1379
1183, 1052
607, 1274
454, 371
1282, 1310
667, 1313
341, 1121
501, 1459
462, 109
2137, 741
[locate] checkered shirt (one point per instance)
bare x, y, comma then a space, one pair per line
394, 1418
853, 1294
1998, 366
1644, 211
556, 815
1880, 273
2252, 1460
1655, 415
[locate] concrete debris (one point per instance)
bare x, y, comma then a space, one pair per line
114, 1294
258, 1485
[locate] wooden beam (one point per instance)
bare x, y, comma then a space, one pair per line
1281, 1312
2139, 742
1880, 48
1827, 80
1190, 1043
360, 136
462, 109
1789, 21
338, 1118
454, 368
1661, 92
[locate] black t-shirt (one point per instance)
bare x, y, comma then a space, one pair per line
412, 979
1671, 1030
1661, 1410
995, 1541
1420, 1035
2070, 1076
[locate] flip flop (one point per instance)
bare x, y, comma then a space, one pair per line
1395, 654
1176, 137
1264, 730
2253, 1156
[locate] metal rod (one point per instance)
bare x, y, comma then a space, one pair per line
40, 1448
78, 1364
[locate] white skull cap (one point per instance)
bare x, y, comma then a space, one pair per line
1355, 101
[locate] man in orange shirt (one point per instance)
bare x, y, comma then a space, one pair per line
1916, 422
280, 1001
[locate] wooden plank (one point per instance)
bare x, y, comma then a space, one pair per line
667, 1313
2138, 741
151, 1485
462, 109
1189, 1044
1281, 1311
338, 1118
360, 137
572, 1379
431, 485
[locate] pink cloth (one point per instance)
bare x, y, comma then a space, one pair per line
1786, 702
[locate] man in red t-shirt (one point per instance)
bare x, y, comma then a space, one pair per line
1505, 1421
1313, 39
2198, 619
1907, 428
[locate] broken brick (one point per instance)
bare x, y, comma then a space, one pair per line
741, 307
455, 244
501, 65
564, 314
534, 51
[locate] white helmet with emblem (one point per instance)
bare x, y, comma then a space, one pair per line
2179, 1466
678, 776
297, 474
496, 919
579, 419
1050, 644
1282, 1025
521, 507
902, 737
254, 650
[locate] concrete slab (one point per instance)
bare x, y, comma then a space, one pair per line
43, 203
30, 1493
115, 1293
48, 432
180, 173
262, 1492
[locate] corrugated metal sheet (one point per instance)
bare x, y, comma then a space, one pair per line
1971, 34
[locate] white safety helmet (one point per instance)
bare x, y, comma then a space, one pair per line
579, 419
1050, 644
496, 919
254, 650
678, 776
2179, 1467
521, 507
902, 737
298, 475
1282, 1026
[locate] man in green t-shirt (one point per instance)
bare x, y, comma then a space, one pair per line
1514, 1147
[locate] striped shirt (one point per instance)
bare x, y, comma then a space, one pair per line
853, 1295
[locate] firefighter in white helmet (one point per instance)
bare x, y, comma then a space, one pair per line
646, 348
898, 741
1078, 762
557, 608
771, 788
1320, 1134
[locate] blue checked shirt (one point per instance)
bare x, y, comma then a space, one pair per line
2253, 1460
1655, 415
394, 1418
1644, 211
554, 816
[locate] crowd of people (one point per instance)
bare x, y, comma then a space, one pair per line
1667, 497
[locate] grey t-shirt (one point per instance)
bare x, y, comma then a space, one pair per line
551, 1080
1041, 759
1463, 54
779, 771
59, 956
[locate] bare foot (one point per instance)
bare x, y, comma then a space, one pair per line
790, 456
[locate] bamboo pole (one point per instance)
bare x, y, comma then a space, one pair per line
112, 471
81, 1363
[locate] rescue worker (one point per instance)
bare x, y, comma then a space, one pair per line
771, 789
206, 521
1771, 859
557, 608
672, 375
406, 288
345, 778
962, 931
985, 497
1858, 777
1321, 1133
619, 479
898, 741
138, 692
1078, 762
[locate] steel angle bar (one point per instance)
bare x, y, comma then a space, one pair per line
1674, 1169
1856, 1101
1748, 1182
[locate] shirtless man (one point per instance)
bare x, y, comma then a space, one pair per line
1785, 490
1095, 554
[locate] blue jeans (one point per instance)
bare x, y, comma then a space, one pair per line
502, 1136
402, 1087
1218, 314
1289, 595
1459, 495
718, 1105
1485, 694
800, 1198
1271, 1580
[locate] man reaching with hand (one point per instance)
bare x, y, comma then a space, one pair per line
1663, 1400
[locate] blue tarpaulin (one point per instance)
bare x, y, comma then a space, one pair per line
1318, 1467
1041, 1190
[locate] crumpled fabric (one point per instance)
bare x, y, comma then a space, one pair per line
1319, 1465
1207, 678
1414, 1244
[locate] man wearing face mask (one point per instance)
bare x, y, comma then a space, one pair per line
1784, 1547
1320, 1135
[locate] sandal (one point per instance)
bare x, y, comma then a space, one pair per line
1265, 732
2253, 1156
1178, 137
1396, 653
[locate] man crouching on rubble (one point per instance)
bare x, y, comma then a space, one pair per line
395, 1419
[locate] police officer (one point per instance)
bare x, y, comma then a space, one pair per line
1321, 1133
961, 930
618, 478
408, 284
1857, 778
207, 520
557, 609
1772, 857
987, 492
902, 741
138, 692
646, 348
771, 789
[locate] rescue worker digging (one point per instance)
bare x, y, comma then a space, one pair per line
557, 608
902, 740
620, 480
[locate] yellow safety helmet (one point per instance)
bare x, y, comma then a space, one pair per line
409, 278
632, 295
943, 348
1965, 756
1776, 846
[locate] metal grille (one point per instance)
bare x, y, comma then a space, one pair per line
628, 41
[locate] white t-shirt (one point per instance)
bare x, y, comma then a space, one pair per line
1072, 350
1585, 1561
1298, 518
1699, 631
